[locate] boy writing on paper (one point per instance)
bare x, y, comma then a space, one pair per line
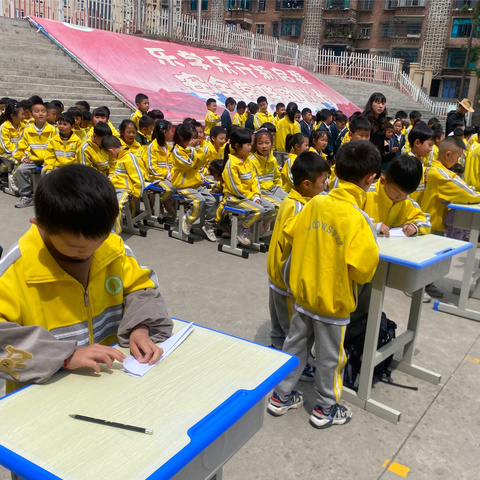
70, 288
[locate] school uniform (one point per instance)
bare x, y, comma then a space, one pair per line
472, 167
269, 178
137, 150
284, 127
142, 139
398, 141
260, 118
281, 302
381, 209
286, 173
91, 155
242, 189
211, 120
306, 128
331, 238
226, 119
136, 116
157, 161
60, 152
240, 119
339, 140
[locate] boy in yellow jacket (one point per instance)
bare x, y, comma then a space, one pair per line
70, 289
389, 205
91, 154
333, 250
309, 172
127, 177
143, 104
211, 118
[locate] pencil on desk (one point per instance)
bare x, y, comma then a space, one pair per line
148, 431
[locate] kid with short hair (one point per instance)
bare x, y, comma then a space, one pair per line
252, 110
330, 238
102, 295
146, 125
52, 114
309, 174
128, 134
127, 178
91, 154
240, 116
318, 142
102, 114
295, 145
262, 115
228, 113
62, 147
211, 118
77, 127
215, 147
143, 104
306, 125
389, 206
83, 105
286, 125
279, 113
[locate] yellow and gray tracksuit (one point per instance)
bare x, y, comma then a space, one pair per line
61, 152
269, 179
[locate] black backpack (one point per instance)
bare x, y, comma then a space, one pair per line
354, 343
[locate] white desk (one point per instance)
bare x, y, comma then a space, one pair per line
467, 216
407, 264
203, 403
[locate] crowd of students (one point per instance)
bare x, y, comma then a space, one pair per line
380, 173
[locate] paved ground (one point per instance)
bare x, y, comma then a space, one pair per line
438, 436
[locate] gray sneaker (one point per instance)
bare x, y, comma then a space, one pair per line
277, 407
338, 415
24, 202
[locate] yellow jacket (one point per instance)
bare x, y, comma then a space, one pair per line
261, 118
279, 249
80, 132
186, 167
240, 119
128, 175
211, 153
472, 167
33, 143
136, 116
155, 158
240, 178
137, 150
286, 173
444, 187
60, 152
381, 209
92, 155
211, 120
9, 137
267, 171
284, 127
334, 248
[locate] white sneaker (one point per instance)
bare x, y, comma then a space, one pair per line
24, 202
210, 233
426, 297
243, 236
185, 225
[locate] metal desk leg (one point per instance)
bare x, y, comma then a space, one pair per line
469, 279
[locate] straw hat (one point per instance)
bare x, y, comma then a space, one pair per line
466, 104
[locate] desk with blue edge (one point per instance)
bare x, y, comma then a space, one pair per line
204, 402
406, 264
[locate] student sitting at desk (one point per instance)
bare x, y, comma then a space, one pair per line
331, 238
70, 288
389, 206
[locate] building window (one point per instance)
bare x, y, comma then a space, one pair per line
462, 27
465, 3
278, 4
451, 88
261, 5
17, 13
22, 13
367, 5
194, 5
292, 28
456, 59
238, 4
275, 29
292, 4
365, 30
338, 4
409, 55
260, 29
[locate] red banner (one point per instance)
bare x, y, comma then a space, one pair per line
179, 78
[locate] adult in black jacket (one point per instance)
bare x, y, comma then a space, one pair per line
375, 112
456, 116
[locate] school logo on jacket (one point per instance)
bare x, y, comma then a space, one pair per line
72, 146
113, 285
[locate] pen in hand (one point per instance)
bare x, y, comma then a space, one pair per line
148, 431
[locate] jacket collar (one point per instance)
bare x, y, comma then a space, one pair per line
349, 192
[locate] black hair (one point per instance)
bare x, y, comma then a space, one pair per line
216, 167
75, 111
433, 121
139, 97
360, 123
415, 114
323, 114
458, 132
189, 120
231, 128
378, 123
262, 99
145, 121
241, 105
457, 168
269, 126
389, 126
25, 104
356, 160
102, 129
389, 120
67, 117
292, 108
238, 137
196, 124
12, 108
253, 107
111, 141
58, 105
84, 104
405, 171
101, 112
455, 123
183, 133
437, 132
49, 106
316, 134
76, 199
36, 100
161, 126
398, 120
401, 115
210, 101
258, 133
308, 166
451, 142
292, 140
156, 114
422, 133
4, 100
125, 123
341, 117
230, 101
86, 115
306, 110
279, 105
216, 131
470, 130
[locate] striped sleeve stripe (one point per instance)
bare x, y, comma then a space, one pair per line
232, 180
10, 258
152, 274
457, 181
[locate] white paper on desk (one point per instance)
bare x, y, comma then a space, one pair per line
132, 366
397, 232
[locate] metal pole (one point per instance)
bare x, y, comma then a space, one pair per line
199, 21
170, 19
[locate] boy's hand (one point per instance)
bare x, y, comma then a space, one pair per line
142, 347
384, 230
92, 355
409, 230
394, 149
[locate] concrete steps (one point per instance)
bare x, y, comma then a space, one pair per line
359, 92
37, 66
